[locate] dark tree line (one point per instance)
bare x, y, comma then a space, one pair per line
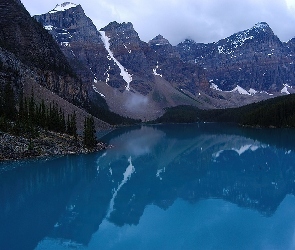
89, 132
50, 117
30, 115
276, 112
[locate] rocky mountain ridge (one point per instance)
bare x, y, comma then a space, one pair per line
31, 60
252, 59
120, 68
128, 75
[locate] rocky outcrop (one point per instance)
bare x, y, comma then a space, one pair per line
47, 144
78, 38
80, 42
291, 46
253, 58
168, 63
29, 53
130, 52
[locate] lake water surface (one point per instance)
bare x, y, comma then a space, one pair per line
199, 186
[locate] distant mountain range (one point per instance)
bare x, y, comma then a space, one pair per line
139, 79
253, 59
113, 69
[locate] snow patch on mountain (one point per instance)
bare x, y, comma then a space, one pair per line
214, 86
285, 89
48, 27
261, 26
264, 92
240, 90
129, 51
237, 89
239, 39
155, 71
108, 75
252, 91
95, 89
66, 44
62, 7
124, 73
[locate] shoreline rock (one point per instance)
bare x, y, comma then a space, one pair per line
48, 143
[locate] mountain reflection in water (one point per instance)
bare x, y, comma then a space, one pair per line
69, 199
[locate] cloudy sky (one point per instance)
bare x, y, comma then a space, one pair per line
201, 20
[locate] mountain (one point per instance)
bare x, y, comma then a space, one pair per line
119, 68
32, 61
30, 55
253, 59
138, 79
80, 42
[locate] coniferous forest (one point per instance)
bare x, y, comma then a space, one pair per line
26, 116
277, 112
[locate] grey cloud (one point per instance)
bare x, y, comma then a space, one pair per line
202, 21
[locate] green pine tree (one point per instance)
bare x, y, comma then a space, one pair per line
9, 104
89, 133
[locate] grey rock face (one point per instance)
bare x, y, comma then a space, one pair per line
130, 51
78, 38
82, 44
29, 53
253, 58
183, 75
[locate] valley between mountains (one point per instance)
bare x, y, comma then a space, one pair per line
58, 69
139, 80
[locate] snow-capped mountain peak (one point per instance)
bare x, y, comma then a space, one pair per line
62, 7
261, 26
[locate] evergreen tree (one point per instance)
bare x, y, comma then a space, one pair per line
74, 125
69, 129
26, 112
89, 132
62, 122
4, 125
43, 116
9, 102
31, 107
21, 109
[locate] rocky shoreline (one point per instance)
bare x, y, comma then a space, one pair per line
48, 143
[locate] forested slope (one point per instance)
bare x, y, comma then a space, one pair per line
276, 112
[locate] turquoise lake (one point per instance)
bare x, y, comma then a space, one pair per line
192, 186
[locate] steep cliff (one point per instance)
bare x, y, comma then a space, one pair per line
29, 53
80, 42
183, 75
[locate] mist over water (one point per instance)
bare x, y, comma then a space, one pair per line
199, 186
